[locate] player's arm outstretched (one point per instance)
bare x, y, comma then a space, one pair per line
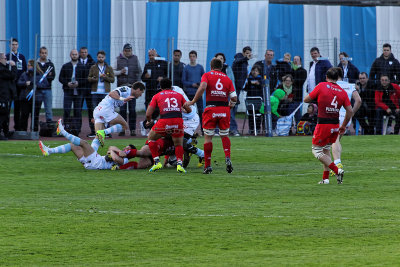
198, 95
115, 95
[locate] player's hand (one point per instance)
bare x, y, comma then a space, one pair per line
122, 154
342, 129
188, 104
148, 123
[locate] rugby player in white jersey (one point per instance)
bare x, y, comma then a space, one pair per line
85, 153
352, 94
105, 112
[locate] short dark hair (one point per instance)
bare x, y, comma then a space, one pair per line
383, 75
343, 54
42, 48
193, 53
333, 74
216, 64
83, 48
138, 85
166, 83
101, 52
246, 48
340, 72
177, 51
366, 74
314, 49
14, 40
387, 45
221, 54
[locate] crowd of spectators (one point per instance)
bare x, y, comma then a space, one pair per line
87, 81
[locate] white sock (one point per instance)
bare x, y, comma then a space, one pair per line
60, 149
113, 129
337, 161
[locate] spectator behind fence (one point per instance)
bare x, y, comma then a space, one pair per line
191, 78
71, 76
7, 93
254, 87
128, 71
366, 114
26, 84
44, 64
268, 69
350, 71
85, 86
225, 67
318, 68
154, 71
287, 106
283, 66
387, 96
385, 64
240, 70
277, 96
101, 76
178, 68
299, 77
20, 62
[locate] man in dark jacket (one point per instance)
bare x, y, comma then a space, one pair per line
318, 68
7, 93
178, 68
20, 62
154, 71
366, 114
45, 93
268, 69
240, 70
71, 75
86, 87
128, 71
350, 71
387, 64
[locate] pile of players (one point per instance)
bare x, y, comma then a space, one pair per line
172, 135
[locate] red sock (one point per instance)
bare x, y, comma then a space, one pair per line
129, 166
153, 148
333, 167
325, 175
226, 144
179, 153
131, 154
208, 147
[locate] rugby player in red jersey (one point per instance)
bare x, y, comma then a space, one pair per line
170, 123
219, 89
330, 97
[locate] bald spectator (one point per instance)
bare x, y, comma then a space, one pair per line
72, 75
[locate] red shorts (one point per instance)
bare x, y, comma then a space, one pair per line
214, 116
325, 134
173, 127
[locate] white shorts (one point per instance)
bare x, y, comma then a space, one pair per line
104, 114
341, 118
95, 162
190, 125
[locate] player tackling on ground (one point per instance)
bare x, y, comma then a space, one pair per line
330, 98
170, 123
219, 89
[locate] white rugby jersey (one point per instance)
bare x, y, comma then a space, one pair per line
185, 116
349, 88
124, 91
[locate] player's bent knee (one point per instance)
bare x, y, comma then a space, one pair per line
224, 132
209, 132
318, 151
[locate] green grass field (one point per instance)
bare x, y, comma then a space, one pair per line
269, 212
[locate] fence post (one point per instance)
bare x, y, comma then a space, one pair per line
172, 60
335, 51
34, 85
267, 108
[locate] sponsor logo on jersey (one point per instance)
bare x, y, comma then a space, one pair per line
219, 115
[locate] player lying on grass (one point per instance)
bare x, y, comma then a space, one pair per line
85, 153
105, 112
165, 147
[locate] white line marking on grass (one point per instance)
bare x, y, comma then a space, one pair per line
19, 155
